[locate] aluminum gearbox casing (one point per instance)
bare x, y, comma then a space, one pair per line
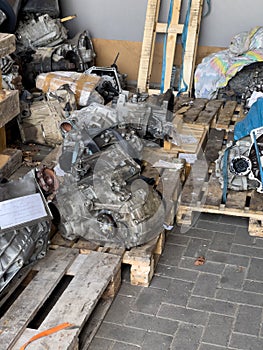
111, 203
241, 163
25, 226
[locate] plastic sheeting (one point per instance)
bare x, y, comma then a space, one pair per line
215, 70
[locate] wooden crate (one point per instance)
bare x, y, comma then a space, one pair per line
65, 286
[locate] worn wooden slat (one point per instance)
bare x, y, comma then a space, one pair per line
9, 106
10, 161
92, 274
7, 44
256, 203
236, 200
214, 144
226, 114
192, 42
22, 311
208, 116
171, 43
214, 192
149, 36
2, 139
182, 101
194, 184
255, 228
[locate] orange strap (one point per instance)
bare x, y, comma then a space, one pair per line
46, 333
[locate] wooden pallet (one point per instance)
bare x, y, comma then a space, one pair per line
203, 193
142, 259
152, 27
218, 114
65, 286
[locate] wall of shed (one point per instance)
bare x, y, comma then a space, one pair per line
118, 26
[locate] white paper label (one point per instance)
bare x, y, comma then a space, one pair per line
188, 139
164, 164
20, 210
189, 157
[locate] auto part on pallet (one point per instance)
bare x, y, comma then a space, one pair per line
240, 165
76, 54
151, 120
39, 32
9, 10
110, 202
112, 82
83, 85
102, 195
41, 124
25, 226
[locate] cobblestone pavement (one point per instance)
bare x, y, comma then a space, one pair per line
214, 306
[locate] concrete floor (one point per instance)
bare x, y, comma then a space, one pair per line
214, 306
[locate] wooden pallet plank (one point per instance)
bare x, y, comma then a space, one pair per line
22, 311
191, 115
236, 200
152, 14
214, 192
173, 31
256, 203
194, 183
2, 139
226, 114
192, 42
209, 115
214, 145
92, 277
10, 161
192, 140
9, 106
7, 44
143, 258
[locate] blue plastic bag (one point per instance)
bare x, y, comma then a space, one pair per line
253, 120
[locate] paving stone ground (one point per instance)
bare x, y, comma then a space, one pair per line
214, 306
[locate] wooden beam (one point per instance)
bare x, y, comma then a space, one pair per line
171, 43
192, 42
2, 139
152, 14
